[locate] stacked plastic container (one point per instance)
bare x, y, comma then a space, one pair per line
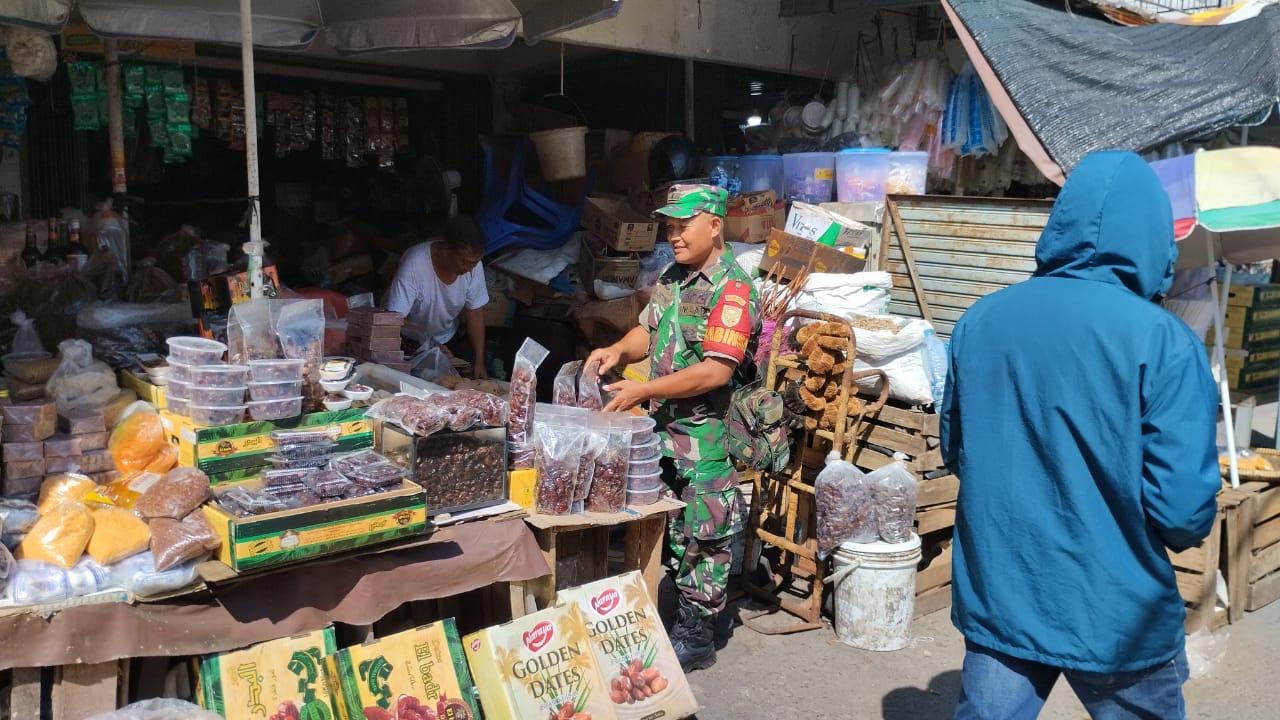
202, 386
808, 177
760, 172
644, 476
861, 174
275, 389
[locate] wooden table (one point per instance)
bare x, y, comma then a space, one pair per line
585, 536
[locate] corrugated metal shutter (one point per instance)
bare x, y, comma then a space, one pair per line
964, 248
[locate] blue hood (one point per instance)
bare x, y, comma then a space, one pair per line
1112, 223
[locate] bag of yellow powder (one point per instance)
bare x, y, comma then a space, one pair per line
66, 487
117, 534
138, 439
60, 536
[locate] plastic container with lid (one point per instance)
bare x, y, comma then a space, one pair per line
179, 389
272, 371
279, 409
808, 177
760, 172
644, 495
861, 174
275, 390
196, 350
642, 429
642, 480
225, 376
213, 396
180, 371
176, 405
645, 450
645, 467
215, 416
908, 173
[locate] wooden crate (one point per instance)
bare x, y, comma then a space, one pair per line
1256, 545
1196, 570
898, 428
933, 577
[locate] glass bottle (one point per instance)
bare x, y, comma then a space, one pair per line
75, 254
31, 252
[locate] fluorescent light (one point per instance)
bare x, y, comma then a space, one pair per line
754, 120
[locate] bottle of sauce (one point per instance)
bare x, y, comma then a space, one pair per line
31, 256
75, 254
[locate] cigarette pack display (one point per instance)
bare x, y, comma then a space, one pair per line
81, 422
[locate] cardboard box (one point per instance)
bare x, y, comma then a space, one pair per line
596, 262
424, 667
293, 536
620, 227
141, 385
522, 486
533, 667
646, 201
239, 452
257, 681
870, 214
812, 222
790, 254
632, 648
751, 216
1254, 296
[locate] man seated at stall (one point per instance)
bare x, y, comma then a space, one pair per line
439, 284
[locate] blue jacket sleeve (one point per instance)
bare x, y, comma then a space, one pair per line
949, 414
1179, 458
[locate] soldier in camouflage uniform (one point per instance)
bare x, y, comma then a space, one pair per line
696, 331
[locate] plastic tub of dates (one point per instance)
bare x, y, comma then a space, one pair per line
650, 466
216, 396
215, 416
195, 350
458, 471
642, 429
223, 376
275, 390
274, 371
276, 409
644, 495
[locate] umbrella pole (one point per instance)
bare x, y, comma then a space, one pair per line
1219, 360
253, 248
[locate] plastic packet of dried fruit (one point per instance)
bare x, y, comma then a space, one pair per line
845, 509
564, 389
593, 445
609, 478
524, 390
642, 675
558, 460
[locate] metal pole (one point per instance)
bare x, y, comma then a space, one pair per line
1219, 358
253, 248
689, 100
115, 124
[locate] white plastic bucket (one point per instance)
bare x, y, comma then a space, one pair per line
562, 153
875, 593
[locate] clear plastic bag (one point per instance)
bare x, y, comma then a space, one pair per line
137, 440
80, 381
590, 395
139, 575
844, 505
8, 565
300, 329
608, 492
177, 494
432, 363
117, 534
60, 536
26, 341
558, 461
87, 577
174, 542
55, 490
593, 445
524, 391
158, 709
564, 389
17, 516
33, 583
893, 490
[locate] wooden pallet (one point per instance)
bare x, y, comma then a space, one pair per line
1254, 545
933, 577
1196, 571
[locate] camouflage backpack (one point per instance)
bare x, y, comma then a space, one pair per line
756, 428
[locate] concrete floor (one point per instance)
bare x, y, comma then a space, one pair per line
814, 675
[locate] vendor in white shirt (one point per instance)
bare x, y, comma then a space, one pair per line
441, 282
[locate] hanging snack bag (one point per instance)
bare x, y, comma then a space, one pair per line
539, 666
632, 648
893, 490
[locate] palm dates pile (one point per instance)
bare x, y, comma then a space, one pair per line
845, 507
636, 683
524, 395
566, 713
458, 471
609, 484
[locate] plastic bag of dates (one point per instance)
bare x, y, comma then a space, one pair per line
846, 511
635, 655
290, 681
608, 493
564, 389
538, 667
593, 444
524, 392
559, 453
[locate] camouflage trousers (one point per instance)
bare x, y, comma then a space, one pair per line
700, 534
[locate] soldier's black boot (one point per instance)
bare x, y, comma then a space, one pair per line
694, 637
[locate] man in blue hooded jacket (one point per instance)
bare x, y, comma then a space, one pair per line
1080, 419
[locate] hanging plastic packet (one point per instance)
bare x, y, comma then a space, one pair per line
173, 80
84, 114
564, 389
83, 78
844, 503
893, 490
177, 108
134, 80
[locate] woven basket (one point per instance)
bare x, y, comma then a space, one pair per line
1267, 476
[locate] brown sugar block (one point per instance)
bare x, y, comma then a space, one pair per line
386, 356
64, 464
81, 422
14, 487
30, 414
105, 478
96, 461
24, 469
93, 441
384, 344
384, 332
373, 316
15, 451
62, 446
